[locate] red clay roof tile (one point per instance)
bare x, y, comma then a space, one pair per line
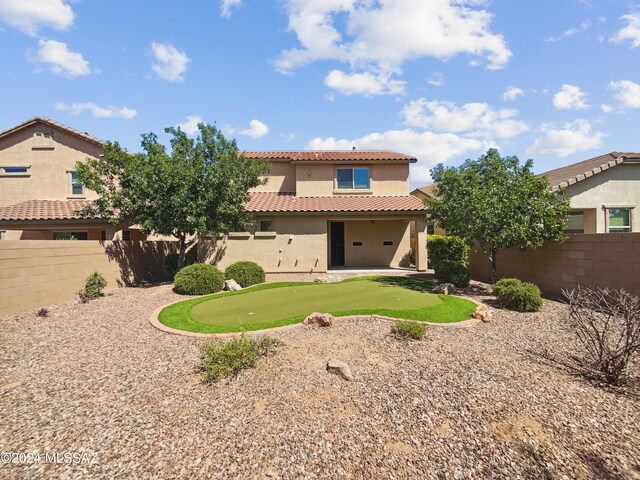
330, 156
45, 210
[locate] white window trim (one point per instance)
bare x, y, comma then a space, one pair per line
71, 194
20, 174
606, 209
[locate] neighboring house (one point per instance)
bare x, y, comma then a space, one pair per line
423, 193
324, 210
39, 188
604, 193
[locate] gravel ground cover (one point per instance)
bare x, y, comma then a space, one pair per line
499, 400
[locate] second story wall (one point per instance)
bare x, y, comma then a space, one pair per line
49, 154
281, 178
313, 180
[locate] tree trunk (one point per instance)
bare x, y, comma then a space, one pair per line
182, 250
494, 252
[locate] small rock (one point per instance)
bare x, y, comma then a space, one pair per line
339, 368
482, 312
319, 319
231, 285
445, 289
327, 279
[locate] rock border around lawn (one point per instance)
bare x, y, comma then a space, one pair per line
155, 322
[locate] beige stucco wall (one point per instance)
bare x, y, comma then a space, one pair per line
618, 186
36, 273
48, 176
301, 244
372, 234
298, 246
281, 178
319, 180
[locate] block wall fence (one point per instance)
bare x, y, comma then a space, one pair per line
37, 273
600, 260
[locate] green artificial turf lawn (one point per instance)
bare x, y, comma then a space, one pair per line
276, 304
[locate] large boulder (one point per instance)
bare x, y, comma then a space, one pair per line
319, 319
339, 368
484, 313
231, 285
445, 289
327, 279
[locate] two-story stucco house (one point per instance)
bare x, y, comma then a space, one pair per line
324, 210
604, 193
39, 189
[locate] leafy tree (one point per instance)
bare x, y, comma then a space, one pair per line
197, 188
498, 203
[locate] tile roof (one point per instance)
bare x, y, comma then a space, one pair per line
329, 156
426, 190
53, 123
288, 202
45, 210
564, 176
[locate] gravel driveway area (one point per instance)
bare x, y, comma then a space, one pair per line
498, 400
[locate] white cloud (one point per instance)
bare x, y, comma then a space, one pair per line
428, 147
227, 5
511, 93
170, 64
382, 36
436, 79
576, 136
96, 111
570, 97
630, 32
627, 92
60, 60
190, 125
584, 26
607, 108
29, 16
367, 84
256, 129
474, 119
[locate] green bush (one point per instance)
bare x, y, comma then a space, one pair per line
448, 247
449, 271
407, 329
517, 295
93, 286
245, 273
170, 264
221, 359
198, 279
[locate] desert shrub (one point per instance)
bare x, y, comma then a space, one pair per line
407, 329
170, 264
449, 271
448, 247
245, 273
198, 279
42, 312
93, 286
225, 358
517, 295
607, 323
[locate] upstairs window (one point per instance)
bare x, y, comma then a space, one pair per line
352, 178
43, 140
619, 220
20, 170
77, 189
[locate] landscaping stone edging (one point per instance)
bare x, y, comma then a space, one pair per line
155, 322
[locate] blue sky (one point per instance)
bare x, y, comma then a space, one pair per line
556, 81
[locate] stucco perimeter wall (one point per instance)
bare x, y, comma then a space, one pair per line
601, 260
36, 273
299, 245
